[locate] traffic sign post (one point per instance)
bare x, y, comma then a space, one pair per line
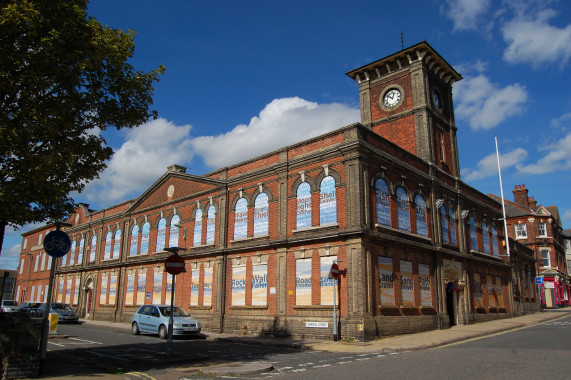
173, 265
56, 244
334, 273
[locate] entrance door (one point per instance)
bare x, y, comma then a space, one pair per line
451, 304
89, 303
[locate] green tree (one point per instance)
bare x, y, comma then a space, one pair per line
64, 78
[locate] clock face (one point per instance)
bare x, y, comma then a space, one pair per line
436, 99
392, 97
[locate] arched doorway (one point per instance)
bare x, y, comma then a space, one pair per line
88, 298
452, 303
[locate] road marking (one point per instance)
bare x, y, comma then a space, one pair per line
109, 356
86, 341
300, 370
55, 344
322, 366
140, 375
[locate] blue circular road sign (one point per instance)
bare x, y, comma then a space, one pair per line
57, 243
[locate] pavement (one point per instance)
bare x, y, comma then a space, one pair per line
409, 342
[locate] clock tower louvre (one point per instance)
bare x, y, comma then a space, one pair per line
407, 99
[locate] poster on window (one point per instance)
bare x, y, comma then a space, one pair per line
478, 290
420, 211
92, 249
173, 235
491, 292
327, 201
303, 210
157, 287
130, 293
133, 240
103, 294
194, 286
197, 239
260, 285
499, 291
386, 281
141, 290
303, 282
207, 292
424, 283
241, 219
261, 215
80, 251
76, 292
68, 291
169, 289
112, 290
403, 211
406, 283
116, 245
383, 203
107, 252
238, 285
452, 270
326, 283
60, 290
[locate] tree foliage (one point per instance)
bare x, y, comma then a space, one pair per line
64, 78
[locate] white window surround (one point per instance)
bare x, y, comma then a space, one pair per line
520, 231
542, 227
545, 258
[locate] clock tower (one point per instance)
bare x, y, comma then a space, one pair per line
407, 99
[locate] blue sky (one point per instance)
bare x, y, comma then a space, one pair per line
244, 78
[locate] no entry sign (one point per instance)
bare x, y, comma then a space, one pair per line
335, 271
174, 264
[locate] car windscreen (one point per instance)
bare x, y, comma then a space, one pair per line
9, 303
177, 311
61, 306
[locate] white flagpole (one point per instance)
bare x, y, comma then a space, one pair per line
503, 203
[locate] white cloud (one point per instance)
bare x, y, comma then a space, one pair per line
141, 160
10, 257
566, 216
558, 157
562, 121
485, 104
536, 42
466, 14
282, 122
488, 165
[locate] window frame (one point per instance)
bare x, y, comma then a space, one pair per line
520, 230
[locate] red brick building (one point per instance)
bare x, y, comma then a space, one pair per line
417, 248
540, 229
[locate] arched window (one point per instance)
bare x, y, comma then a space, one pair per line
107, 252
173, 235
161, 235
452, 220
403, 211
93, 248
328, 201
146, 230
116, 252
241, 219
420, 210
72, 252
444, 223
495, 250
383, 202
261, 214
486, 237
134, 240
197, 240
80, 251
210, 225
303, 219
473, 235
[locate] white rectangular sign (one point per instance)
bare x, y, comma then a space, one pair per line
322, 325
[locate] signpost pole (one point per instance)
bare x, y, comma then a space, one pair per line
334, 310
173, 265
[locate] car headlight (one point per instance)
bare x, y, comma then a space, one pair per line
177, 325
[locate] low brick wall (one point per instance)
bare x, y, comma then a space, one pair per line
20, 336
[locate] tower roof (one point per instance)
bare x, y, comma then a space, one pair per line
418, 52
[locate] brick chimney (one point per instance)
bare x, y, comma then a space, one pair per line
520, 195
532, 203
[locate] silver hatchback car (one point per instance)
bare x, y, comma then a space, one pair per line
154, 319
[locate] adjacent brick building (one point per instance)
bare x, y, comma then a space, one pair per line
418, 249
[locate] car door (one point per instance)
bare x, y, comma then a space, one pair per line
143, 318
154, 319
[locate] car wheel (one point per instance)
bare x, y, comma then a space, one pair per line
163, 332
135, 328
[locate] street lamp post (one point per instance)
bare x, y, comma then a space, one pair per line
174, 251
